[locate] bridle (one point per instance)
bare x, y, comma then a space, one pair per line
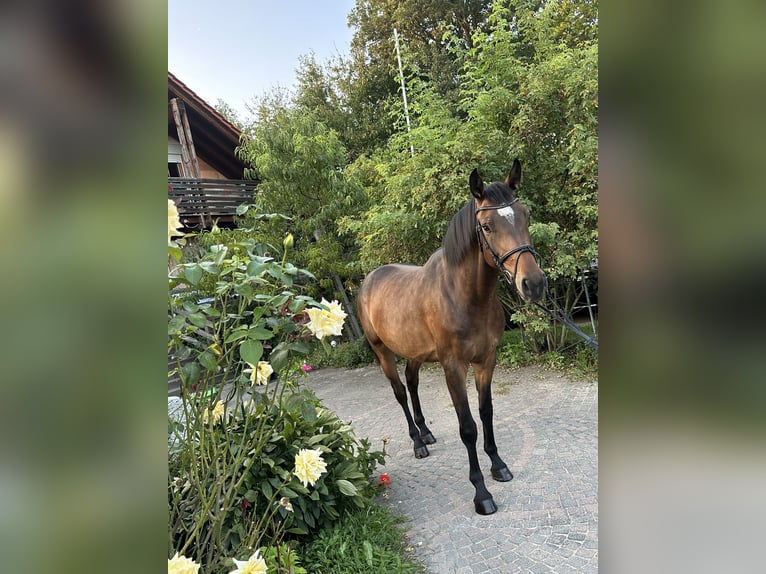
501, 259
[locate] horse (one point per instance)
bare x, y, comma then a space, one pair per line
447, 311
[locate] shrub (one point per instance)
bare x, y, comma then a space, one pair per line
351, 355
247, 461
233, 485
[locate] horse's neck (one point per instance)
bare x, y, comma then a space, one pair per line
475, 280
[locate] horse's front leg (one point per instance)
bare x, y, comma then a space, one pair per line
483, 374
456, 374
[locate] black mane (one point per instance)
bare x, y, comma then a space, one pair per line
460, 238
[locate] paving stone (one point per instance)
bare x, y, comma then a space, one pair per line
546, 428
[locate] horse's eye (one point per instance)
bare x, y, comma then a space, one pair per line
486, 228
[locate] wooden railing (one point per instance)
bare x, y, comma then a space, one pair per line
201, 201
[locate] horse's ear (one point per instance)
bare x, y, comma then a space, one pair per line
514, 176
476, 184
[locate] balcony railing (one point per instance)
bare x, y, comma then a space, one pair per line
202, 201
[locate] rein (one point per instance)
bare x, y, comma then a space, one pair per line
501, 259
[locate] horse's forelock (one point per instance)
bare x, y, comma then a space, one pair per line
498, 193
460, 237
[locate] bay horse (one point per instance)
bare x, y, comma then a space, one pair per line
447, 311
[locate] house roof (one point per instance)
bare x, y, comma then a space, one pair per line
214, 137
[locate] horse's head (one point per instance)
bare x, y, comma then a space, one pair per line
502, 227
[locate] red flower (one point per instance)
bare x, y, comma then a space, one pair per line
384, 480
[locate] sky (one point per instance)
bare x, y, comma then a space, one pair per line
236, 50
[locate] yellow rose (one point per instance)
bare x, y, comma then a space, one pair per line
309, 466
174, 223
182, 565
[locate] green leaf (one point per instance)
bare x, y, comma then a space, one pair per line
176, 324
175, 252
346, 487
268, 492
251, 495
236, 335
212, 267
279, 357
288, 492
242, 209
251, 351
190, 306
259, 333
190, 372
316, 438
309, 412
193, 273
256, 268
245, 290
211, 311
276, 273
207, 360
300, 347
197, 319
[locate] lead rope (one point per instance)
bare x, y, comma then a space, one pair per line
562, 318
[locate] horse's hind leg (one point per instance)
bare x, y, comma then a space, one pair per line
388, 364
411, 374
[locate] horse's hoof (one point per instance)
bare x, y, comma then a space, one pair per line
421, 452
502, 474
485, 507
428, 438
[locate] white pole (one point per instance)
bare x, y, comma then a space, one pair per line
404, 91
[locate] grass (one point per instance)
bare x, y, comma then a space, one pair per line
368, 541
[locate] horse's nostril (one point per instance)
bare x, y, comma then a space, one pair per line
525, 285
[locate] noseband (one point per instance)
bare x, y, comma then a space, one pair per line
501, 259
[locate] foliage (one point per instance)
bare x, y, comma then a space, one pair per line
283, 559
529, 90
231, 484
248, 462
351, 355
575, 358
486, 82
300, 162
367, 541
425, 27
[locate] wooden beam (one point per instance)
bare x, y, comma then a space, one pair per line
185, 157
189, 140
188, 153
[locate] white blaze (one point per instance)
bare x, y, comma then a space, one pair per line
507, 212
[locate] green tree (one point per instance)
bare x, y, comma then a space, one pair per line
423, 26
529, 90
344, 102
229, 113
300, 162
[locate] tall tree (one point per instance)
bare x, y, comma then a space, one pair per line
300, 163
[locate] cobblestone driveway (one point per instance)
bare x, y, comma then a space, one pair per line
546, 428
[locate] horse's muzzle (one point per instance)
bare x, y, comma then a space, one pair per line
533, 289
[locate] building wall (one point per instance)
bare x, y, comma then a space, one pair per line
206, 171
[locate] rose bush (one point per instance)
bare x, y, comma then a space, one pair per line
236, 318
